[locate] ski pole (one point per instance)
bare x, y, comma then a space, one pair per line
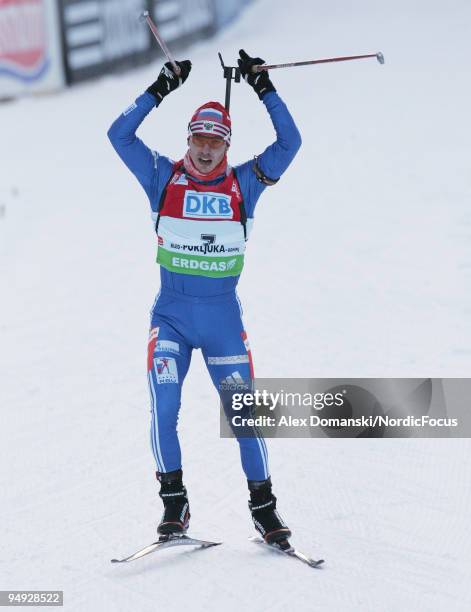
259, 67
229, 73
146, 17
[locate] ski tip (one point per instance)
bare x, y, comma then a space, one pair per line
115, 560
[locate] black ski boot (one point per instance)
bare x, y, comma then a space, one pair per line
176, 516
265, 516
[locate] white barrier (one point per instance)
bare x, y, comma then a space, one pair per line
30, 47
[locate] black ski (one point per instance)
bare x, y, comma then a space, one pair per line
285, 547
167, 541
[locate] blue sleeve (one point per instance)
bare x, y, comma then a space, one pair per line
151, 169
276, 158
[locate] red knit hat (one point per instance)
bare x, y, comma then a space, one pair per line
211, 119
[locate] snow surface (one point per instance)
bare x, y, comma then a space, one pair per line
376, 208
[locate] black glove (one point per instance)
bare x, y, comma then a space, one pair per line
168, 81
258, 80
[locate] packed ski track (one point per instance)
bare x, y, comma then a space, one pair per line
374, 217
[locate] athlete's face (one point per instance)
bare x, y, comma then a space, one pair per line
206, 152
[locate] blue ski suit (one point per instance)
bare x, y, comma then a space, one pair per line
194, 310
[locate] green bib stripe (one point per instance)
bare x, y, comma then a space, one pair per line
215, 267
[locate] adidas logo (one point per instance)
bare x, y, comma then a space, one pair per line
233, 382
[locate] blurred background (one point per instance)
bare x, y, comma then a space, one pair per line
50, 44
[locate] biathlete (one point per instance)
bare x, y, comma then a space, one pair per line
202, 212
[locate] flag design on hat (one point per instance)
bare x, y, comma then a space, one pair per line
210, 114
211, 119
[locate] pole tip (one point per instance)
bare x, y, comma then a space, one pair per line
380, 57
143, 16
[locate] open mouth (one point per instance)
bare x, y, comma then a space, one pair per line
205, 161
